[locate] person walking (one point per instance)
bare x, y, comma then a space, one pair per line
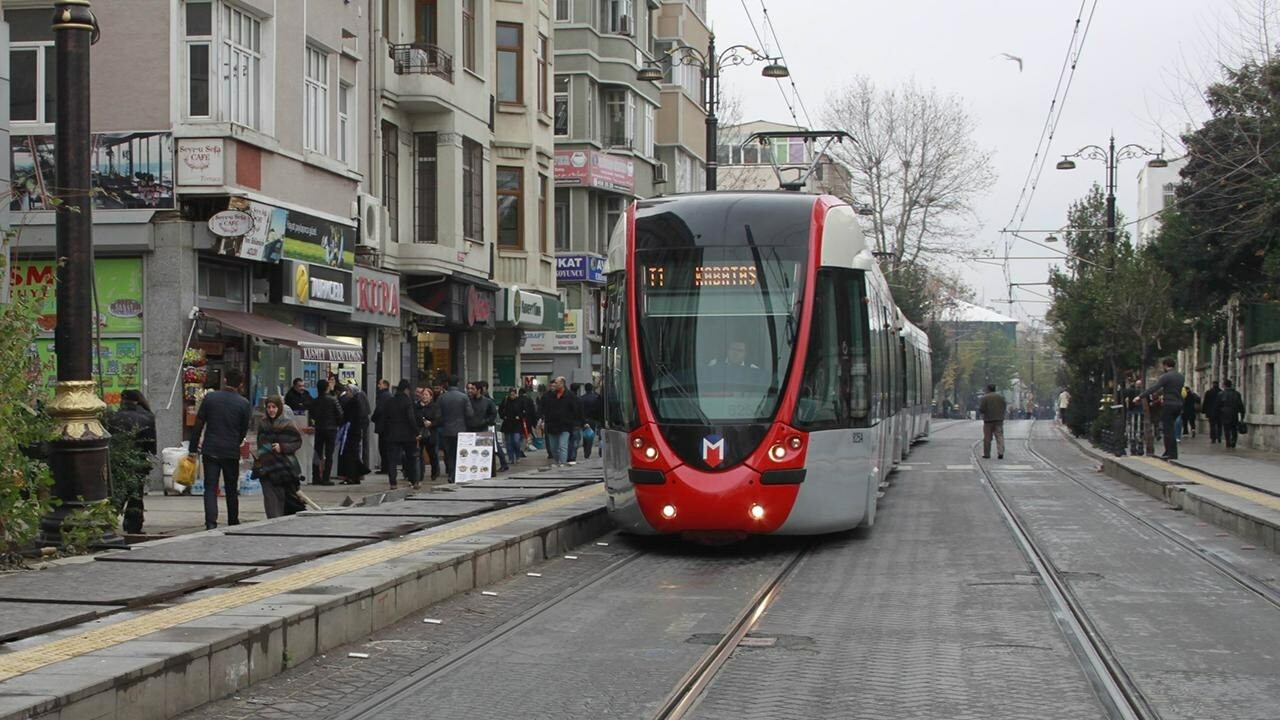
1230, 413
222, 422
297, 398
484, 415
992, 407
542, 415
575, 435
381, 397
455, 415
562, 412
135, 416
401, 423
1190, 406
1169, 387
326, 418
513, 424
275, 461
1209, 406
428, 411
593, 419
355, 409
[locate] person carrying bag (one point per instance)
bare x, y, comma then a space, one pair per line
275, 463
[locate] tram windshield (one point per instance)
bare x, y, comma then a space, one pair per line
717, 329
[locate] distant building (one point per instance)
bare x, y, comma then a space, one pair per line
962, 318
754, 166
1156, 191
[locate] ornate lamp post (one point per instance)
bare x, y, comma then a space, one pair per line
79, 456
1112, 157
710, 64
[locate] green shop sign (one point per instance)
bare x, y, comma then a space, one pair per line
119, 292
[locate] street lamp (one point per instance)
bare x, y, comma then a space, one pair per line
1112, 157
710, 64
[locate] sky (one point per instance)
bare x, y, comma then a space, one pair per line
1140, 72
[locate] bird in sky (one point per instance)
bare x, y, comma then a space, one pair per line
1014, 58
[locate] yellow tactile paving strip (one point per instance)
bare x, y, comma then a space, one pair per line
1268, 501
38, 656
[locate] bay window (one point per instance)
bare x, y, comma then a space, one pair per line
31, 88
510, 207
561, 115
315, 127
472, 190
510, 48
223, 57
544, 72
346, 131
469, 34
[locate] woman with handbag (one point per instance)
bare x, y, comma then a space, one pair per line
275, 462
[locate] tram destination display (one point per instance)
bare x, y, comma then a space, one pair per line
736, 275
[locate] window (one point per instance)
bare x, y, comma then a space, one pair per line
562, 106
618, 16
544, 72
510, 63
31, 67
591, 110
687, 77
544, 237
241, 67
426, 213
617, 117
562, 226
315, 127
510, 206
649, 131
619, 403
1169, 195
391, 177
198, 40
346, 134
424, 22
469, 34
220, 281
472, 190
564, 10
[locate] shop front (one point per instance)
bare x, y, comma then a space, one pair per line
522, 312
548, 354
581, 275
463, 345
376, 309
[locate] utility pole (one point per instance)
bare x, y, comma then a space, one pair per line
79, 455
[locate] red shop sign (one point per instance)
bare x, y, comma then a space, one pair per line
479, 308
377, 296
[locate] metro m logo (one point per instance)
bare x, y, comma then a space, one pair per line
713, 450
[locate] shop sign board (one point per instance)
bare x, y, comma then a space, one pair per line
119, 358
592, 168
330, 354
580, 268
377, 297
118, 282
569, 341
316, 286
231, 223
292, 235
131, 171
522, 308
475, 457
463, 304
200, 161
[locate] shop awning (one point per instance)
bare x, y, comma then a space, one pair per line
314, 347
407, 304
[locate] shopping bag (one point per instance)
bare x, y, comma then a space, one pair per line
185, 474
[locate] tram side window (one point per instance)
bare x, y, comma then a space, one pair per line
821, 405
860, 362
619, 400
877, 368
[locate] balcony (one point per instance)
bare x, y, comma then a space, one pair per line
422, 59
618, 140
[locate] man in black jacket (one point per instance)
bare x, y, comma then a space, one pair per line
1209, 406
1230, 413
298, 399
379, 424
593, 416
401, 424
223, 420
561, 414
1169, 385
326, 418
455, 416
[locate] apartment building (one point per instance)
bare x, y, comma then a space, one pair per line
747, 164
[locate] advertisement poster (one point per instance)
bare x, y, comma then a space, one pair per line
121, 363
569, 341
475, 457
200, 161
288, 234
131, 171
119, 285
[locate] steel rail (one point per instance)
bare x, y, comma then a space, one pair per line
1115, 689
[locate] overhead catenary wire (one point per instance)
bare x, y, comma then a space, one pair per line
764, 48
791, 78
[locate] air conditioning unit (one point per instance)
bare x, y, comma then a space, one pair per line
372, 221
660, 172
624, 25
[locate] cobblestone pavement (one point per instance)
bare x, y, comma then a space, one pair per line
934, 615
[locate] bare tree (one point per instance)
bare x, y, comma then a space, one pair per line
914, 161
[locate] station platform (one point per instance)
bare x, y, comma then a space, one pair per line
168, 625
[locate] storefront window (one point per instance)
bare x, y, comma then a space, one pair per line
435, 355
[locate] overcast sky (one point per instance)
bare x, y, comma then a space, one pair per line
1132, 78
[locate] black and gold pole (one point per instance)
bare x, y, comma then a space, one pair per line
79, 450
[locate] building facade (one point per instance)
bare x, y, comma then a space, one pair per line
765, 165
1156, 191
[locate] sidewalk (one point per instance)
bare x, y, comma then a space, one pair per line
1255, 468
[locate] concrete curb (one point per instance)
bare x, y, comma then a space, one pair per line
1250, 521
165, 673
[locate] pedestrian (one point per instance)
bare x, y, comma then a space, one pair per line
401, 423
326, 418
455, 415
992, 406
275, 461
484, 415
135, 416
1209, 406
1064, 402
297, 398
561, 413
499, 445
542, 415
355, 409
383, 395
1190, 406
428, 411
593, 418
222, 422
1169, 387
513, 424
1230, 413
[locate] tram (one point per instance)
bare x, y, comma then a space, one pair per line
758, 377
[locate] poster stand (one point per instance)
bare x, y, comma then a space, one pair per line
475, 457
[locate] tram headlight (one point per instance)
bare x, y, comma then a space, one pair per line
756, 512
668, 511
637, 442
795, 442
778, 452
650, 453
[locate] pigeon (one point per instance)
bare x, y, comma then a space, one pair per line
1014, 58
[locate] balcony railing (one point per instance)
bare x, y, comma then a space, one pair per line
618, 140
422, 58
